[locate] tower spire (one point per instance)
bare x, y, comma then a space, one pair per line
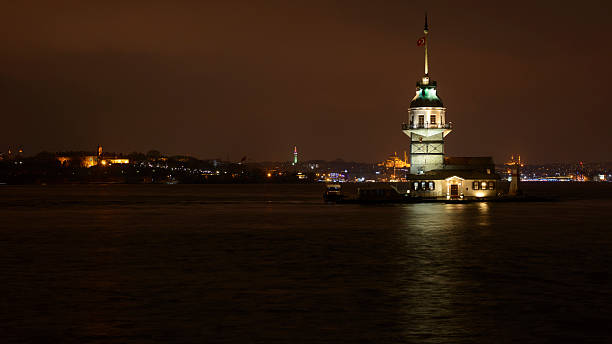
426, 31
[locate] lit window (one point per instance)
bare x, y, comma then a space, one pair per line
423, 186
416, 186
432, 186
484, 185
475, 185
421, 120
491, 185
432, 119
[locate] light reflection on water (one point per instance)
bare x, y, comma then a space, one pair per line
442, 217
434, 235
484, 217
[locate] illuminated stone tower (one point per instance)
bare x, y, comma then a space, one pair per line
295, 155
427, 125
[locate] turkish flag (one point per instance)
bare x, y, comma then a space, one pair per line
421, 42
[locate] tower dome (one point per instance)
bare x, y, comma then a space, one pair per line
426, 95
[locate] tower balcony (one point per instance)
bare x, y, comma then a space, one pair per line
426, 130
408, 126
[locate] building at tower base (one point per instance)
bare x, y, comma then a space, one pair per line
463, 178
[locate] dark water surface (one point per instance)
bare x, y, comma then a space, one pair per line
273, 264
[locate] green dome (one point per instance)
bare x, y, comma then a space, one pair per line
426, 96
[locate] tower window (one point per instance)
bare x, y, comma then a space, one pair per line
421, 120
432, 119
475, 185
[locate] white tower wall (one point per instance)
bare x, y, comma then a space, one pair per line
427, 128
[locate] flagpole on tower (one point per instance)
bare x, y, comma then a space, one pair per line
426, 31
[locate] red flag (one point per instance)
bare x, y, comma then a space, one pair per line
421, 42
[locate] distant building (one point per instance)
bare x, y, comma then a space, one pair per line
83, 159
89, 161
77, 159
12, 154
393, 161
117, 161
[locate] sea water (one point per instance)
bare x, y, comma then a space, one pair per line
274, 264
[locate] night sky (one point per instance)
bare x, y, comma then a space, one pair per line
335, 78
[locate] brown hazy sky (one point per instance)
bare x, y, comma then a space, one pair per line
254, 78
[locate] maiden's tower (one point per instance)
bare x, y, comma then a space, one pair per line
434, 175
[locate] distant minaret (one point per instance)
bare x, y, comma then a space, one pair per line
295, 155
427, 127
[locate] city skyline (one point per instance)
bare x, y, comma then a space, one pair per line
19, 151
244, 80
